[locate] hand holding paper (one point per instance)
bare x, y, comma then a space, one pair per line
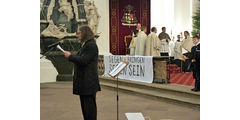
59, 47
66, 53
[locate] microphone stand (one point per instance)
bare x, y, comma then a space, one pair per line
119, 66
117, 101
45, 54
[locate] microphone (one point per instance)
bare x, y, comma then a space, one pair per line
97, 35
55, 44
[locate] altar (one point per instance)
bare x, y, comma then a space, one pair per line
159, 72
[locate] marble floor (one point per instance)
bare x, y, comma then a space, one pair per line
58, 103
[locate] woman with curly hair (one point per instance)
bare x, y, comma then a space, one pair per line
85, 78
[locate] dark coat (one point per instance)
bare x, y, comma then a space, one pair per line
85, 78
195, 54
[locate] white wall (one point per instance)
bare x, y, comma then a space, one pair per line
175, 15
103, 28
182, 16
162, 14
195, 6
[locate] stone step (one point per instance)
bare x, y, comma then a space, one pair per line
181, 95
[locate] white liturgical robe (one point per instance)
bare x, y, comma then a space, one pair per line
177, 50
132, 46
187, 44
165, 46
171, 48
140, 44
153, 45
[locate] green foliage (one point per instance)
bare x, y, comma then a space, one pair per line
196, 23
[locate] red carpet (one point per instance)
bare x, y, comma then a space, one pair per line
180, 78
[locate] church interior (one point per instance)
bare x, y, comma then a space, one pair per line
157, 84
119, 60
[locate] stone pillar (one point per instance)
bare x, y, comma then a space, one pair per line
182, 16
103, 27
195, 6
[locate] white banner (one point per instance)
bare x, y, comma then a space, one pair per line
140, 68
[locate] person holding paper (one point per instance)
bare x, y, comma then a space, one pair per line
195, 59
187, 44
85, 78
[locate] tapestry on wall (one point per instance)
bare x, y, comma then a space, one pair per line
124, 16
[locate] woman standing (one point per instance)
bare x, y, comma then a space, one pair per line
85, 78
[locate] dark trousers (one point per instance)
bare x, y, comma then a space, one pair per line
183, 66
196, 76
89, 107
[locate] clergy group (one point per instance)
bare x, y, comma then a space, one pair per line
160, 45
185, 51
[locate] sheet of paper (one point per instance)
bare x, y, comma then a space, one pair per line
59, 47
134, 116
184, 51
118, 69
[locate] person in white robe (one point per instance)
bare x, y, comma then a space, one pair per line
132, 45
164, 47
153, 44
181, 36
137, 30
178, 56
134, 37
171, 47
187, 43
140, 42
177, 48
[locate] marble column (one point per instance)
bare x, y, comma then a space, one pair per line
103, 28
